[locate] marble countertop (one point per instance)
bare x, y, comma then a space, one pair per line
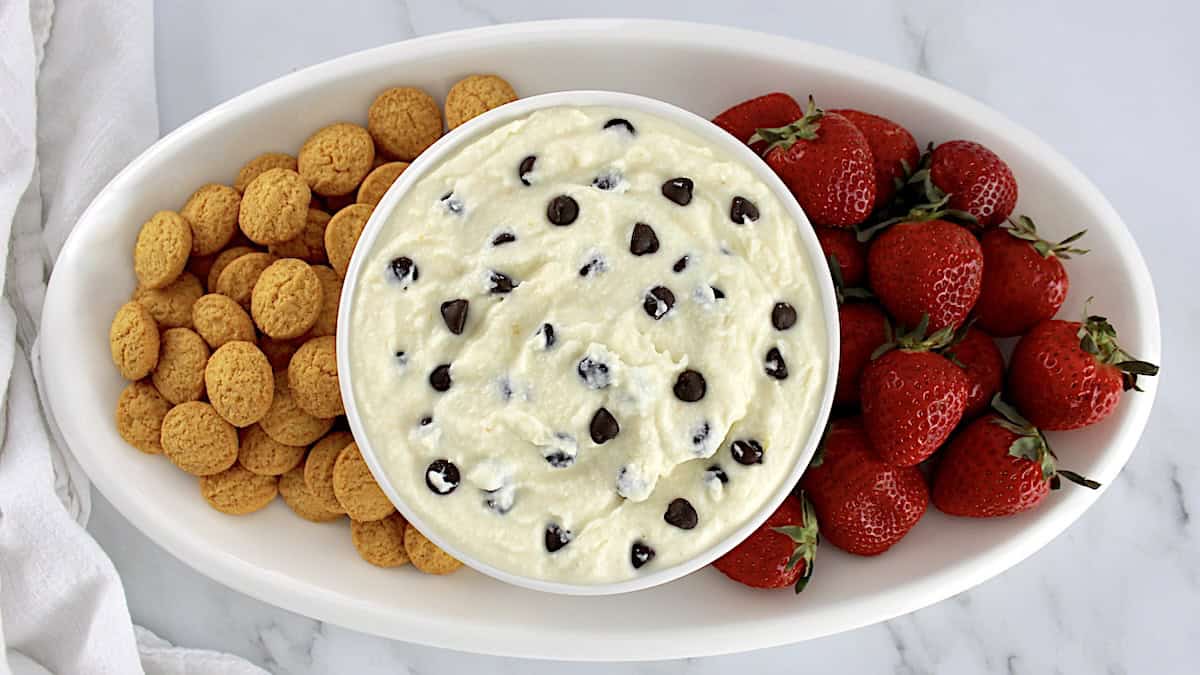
1115, 88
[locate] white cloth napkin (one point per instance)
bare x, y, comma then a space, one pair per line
77, 102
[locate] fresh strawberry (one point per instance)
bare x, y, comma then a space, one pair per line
912, 397
893, 147
1069, 374
771, 110
983, 365
1023, 277
998, 465
851, 254
865, 505
863, 328
929, 268
826, 163
780, 552
976, 180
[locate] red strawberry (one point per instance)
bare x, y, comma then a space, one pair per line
1068, 374
851, 254
912, 398
976, 180
826, 163
893, 147
780, 552
997, 466
929, 268
771, 110
983, 364
863, 328
865, 505
1023, 278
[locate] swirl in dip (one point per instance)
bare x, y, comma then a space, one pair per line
587, 346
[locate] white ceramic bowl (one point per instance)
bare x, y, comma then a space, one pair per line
447, 147
312, 569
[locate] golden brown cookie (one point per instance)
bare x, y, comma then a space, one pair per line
404, 121
301, 500
336, 158
140, 413
212, 211
133, 340
318, 469
286, 422
274, 206
240, 383
171, 305
238, 278
380, 542
218, 319
310, 245
426, 555
179, 375
474, 95
313, 378
264, 162
237, 491
220, 262
378, 181
162, 249
279, 352
331, 297
342, 233
196, 439
286, 300
264, 455
356, 489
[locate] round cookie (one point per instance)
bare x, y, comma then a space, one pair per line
331, 298
171, 305
218, 319
336, 158
342, 235
356, 489
300, 499
240, 383
318, 469
133, 340
179, 375
474, 95
238, 278
220, 262
286, 422
426, 555
279, 352
286, 299
404, 121
162, 249
255, 167
140, 413
212, 212
237, 491
274, 206
196, 439
378, 181
266, 456
313, 378
380, 542
309, 246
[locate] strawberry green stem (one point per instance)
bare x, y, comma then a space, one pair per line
806, 536
784, 137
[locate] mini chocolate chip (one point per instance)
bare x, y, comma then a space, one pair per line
453, 204
505, 387
594, 373
658, 301
562, 210
556, 537
500, 504
775, 366
678, 190
680, 265
690, 386
595, 265
718, 293
559, 459
747, 451
783, 316
525, 168
404, 270
640, 554
401, 358
504, 238
547, 333
742, 210
442, 476
501, 283
607, 180
620, 122
604, 427
439, 378
426, 420
561, 453
643, 240
681, 514
715, 472
454, 313
700, 434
